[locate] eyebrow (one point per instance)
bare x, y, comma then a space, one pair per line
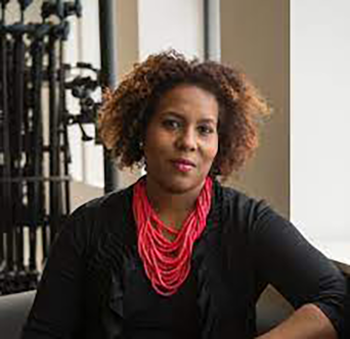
180, 116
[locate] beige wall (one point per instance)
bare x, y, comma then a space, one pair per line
255, 36
127, 40
127, 44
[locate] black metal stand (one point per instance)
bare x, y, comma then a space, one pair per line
108, 75
35, 200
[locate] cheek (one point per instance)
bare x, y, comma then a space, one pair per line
211, 152
155, 143
215, 147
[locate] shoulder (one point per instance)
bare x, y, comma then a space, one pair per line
102, 207
100, 216
237, 206
243, 215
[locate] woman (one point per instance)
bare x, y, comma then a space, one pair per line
177, 255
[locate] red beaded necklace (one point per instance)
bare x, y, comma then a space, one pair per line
167, 262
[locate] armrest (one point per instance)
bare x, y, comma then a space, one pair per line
272, 308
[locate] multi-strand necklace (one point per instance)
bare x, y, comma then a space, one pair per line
167, 262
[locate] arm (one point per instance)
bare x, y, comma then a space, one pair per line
56, 312
308, 280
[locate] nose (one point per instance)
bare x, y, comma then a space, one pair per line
187, 140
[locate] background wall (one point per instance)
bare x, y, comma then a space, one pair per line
87, 157
320, 123
255, 37
165, 24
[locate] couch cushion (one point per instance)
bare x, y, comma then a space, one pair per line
14, 309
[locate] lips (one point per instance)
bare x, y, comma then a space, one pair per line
183, 165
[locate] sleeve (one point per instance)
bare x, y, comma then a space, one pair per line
301, 273
57, 308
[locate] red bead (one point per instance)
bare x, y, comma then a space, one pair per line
167, 262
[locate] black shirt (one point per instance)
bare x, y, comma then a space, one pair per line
94, 285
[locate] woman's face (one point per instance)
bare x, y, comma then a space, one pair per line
181, 139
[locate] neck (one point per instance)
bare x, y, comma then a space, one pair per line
172, 208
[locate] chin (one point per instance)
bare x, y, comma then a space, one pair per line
182, 185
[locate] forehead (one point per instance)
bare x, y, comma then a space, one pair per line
188, 98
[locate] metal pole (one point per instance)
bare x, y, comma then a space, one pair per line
107, 24
212, 46
206, 13
7, 219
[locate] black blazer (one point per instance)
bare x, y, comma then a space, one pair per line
94, 285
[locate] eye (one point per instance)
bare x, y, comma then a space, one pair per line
171, 124
206, 129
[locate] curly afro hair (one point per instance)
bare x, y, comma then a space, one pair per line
126, 111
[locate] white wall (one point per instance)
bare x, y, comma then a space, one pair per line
320, 123
167, 24
86, 167
90, 52
83, 46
